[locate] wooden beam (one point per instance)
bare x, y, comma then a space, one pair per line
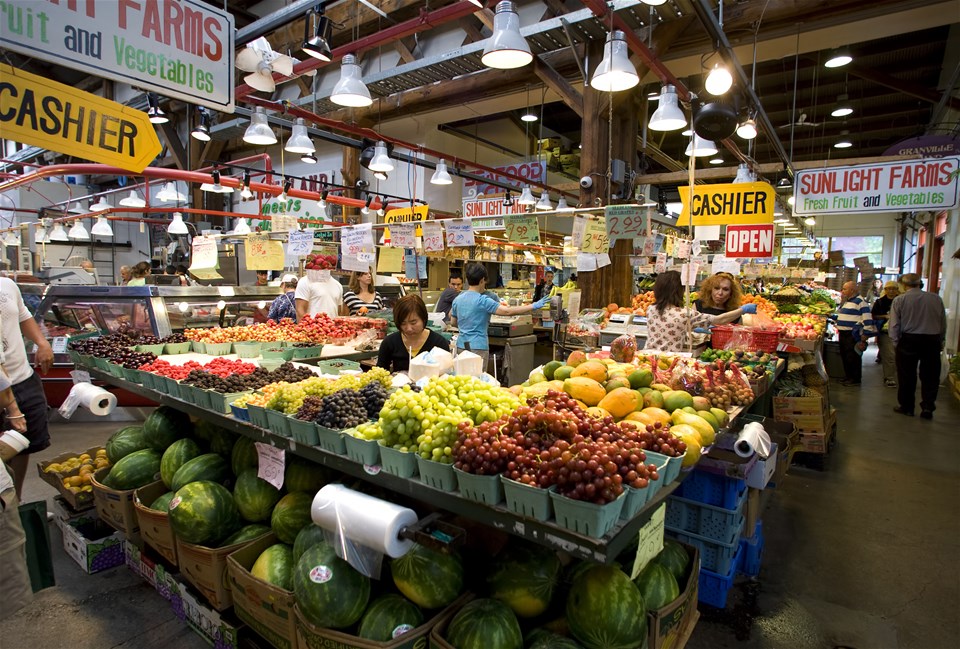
174, 145
486, 17
406, 54
906, 87
552, 79
473, 32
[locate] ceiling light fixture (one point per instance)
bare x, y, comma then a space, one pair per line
215, 187
202, 130
844, 142
381, 158
42, 236
382, 209
843, 107
668, 116
508, 199
790, 200
77, 209
744, 174
245, 192
529, 116
287, 184
102, 227
317, 44
615, 72
654, 3
101, 205
366, 208
700, 148
259, 131
350, 90
322, 204
177, 226
380, 175
241, 227
154, 112
810, 221
78, 231
308, 158
562, 205
719, 80
526, 197
441, 176
716, 161
544, 203
785, 182
133, 200
169, 194
299, 141
58, 233
506, 48
838, 58
747, 129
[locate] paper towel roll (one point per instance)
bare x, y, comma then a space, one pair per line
752, 439
363, 519
95, 399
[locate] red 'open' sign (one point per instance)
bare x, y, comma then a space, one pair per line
750, 240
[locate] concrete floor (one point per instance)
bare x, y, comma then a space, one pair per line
863, 555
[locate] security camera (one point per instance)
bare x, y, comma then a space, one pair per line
586, 182
362, 184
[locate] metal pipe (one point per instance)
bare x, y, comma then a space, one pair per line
267, 164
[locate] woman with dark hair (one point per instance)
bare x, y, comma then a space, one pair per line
413, 337
285, 304
140, 273
361, 295
667, 320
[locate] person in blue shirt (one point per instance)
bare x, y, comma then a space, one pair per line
472, 309
284, 306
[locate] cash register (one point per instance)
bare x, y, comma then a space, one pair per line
506, 326
624, 323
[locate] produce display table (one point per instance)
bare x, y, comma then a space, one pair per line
602, 550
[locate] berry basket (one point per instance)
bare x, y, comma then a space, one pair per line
218, 349
243, 414
304, 432
307, 352
486, 489
101, 364
154, 349
279, 423
526, 500
668, 467
754, 339
634, 500
338, 365
332, 440
258, 416
171, 387
437, 474
177, 348
132, 375
277, 352
220, 402
586, 518
402, 464
246, 350
199, 347
115, 370
364, 451
149, 379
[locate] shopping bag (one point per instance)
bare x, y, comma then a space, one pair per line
33, 517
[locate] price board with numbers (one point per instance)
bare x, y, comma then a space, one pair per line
625, 222
595, 239
263, 253
432, 237
459, 233
522, 228
402, 235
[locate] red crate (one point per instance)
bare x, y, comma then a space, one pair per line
761, 340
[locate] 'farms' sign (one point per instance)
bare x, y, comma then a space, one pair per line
904, 186
725, 204
749, 241
177, 48
40, 112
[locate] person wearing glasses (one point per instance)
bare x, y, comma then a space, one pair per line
668, 322
720, 293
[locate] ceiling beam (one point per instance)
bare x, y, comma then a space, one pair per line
906, 87
555, 82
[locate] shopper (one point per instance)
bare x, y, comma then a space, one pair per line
361, 295
316, 296
17, 591
140, 273
886, 350
545, 288
918, 328
412, 337
719, 294
472, 309
28, 413
285, 304
668, 322
454, 286
126, 274
854, 328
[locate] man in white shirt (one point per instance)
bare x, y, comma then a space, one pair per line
13, 558
314, 296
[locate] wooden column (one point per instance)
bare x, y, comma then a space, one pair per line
351, 173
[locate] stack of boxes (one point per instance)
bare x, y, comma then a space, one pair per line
559, 157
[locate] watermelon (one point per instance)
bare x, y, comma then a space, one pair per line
328, 591
303, 475
221, 440
308, 537
176, 455
209, 466
428, 578
135, 470
124, 442
275, 566
605, 610
388, 617
254, 496
674, 558
245, 533
203, 512
290, 515
164, 426
161, 503
657, 585
483, 624
244, 456
543, 639
523, 577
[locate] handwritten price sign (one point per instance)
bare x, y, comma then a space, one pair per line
595, 239
356, 239
522, 228
459, 233
262, 253
300, 243
624, 222
432, 237
402, 235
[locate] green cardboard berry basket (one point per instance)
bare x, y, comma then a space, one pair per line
486, 489
153, 349
669, 467
199, 347
218, 349
304, 432
258, 416
277, 353
307, 352
220, 402
526, 500
279, 423
247, 350
132, 375
635, 499
177, 348
332, 440
363, 451
586, 518
402, 464
436, 474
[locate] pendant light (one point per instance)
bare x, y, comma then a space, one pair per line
245, 192
844, 142
300, 141
102, 227
668, 116
744, 175
169, 194
615, 72
78, 231
544, 202
133, 200
700, 148
747, 129
42, 235
838, 58
154, 112
526, 197
77, 209
719, 80
201, 131
366, 207
562, 205
177, 226
506, 48
259, 131
810, 221
308, 158
350, 90
716, 161
381, 159
653, 3
241, 227
317, 45
843, 107
101, 205
322, 205
441, 176
215, 187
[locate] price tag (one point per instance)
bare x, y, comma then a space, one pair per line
402, 235
722, 264
355, 239
695, 248
263, 253
300, 243
603, 259
459, 233
579, 228
432, 236
661, 265
59, 345
681, 249
203, 253
595, 238
649, 246
624, 222
390, 260
367, 257
284, 223
522, 228
80, 376
668, 243
271, 464
651, 541
586, 262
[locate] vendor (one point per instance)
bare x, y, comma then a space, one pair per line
413, 337
719, 294
140, 273
546, 287
667, 320
361, 295
472, 309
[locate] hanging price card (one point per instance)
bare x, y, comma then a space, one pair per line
522, 228
432, 237
390, 261
624, 221
579, 228
688, 273
661, 265
586, 262
203, 253
402, 235
262, 253
283, 223
459, 233
681, 249
300, 243
271, 464
355, 239
722, 264
595, 238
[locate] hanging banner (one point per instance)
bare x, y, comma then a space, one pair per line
535, 171
459, 233
595, 236
490, 208
907, 185
749, 240
263, 253
432, 237
522, 228
50, 115
625, 221
727, 203
179, 49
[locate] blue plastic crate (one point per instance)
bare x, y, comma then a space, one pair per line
752, 549
712, 489
717, 523
716, 556
714, 587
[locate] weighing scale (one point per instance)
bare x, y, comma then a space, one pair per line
504, 326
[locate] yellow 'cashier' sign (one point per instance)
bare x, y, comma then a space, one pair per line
727, 204
44, 113
407, 214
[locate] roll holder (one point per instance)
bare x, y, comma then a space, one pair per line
433, 532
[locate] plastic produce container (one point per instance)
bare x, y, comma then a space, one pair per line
486, 489
586, 518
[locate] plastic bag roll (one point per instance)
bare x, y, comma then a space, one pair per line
363, 519
94, 398
752, 439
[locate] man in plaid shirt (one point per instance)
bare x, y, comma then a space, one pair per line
854, 326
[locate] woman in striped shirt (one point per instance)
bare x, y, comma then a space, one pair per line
362, 296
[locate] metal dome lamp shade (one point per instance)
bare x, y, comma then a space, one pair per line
700, 148
300, 141
42, 235
668, 116
318, 44
544, 202
169, 194
177, 226
381, 159
102, 227
441, 176
562, 205
241, 227
78, 232
59, 233
526, 197
615, 72
133, 200
747, 129
350, 90
101, 206
77, 209
744, 175
506, 48
259, 131
843, 106
838, 59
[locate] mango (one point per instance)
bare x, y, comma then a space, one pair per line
576, 358
597, 412
563, 373
616, 382
653, 399
551, 367
684, 430
721, 415
640, 379
692, 440
700, 403
643, 391
677, 399
658, 414
689, 410
707, 434
620, 402
537, 377
584, 389
660, 387
709, 418
592, 370
641, 418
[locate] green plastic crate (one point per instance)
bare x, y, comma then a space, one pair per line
279, 423
304, 432
332, 440
532, 502
436, 474
402, 464
586, 518
486, 489
363, 451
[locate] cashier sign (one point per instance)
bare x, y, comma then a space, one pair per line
739, 203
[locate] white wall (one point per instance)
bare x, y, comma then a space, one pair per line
854, 225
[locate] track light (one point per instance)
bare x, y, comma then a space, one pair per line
508, 199
202, 130
102, 227
366, 208
245, 192
215, 187
719, 80
350, 90
441, 176
77, 209
380, 210
287, 184
381, 158
747, 129
317, 44
506, 48
668, 116
544, 202
241, 227
259, 131
562, 205
299, 141
101, 205
154, 112
380, 175
169, 194
838, 58
133, 200
308, 158
526, 197
58, 233
322, 204
615, 72
78, 231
